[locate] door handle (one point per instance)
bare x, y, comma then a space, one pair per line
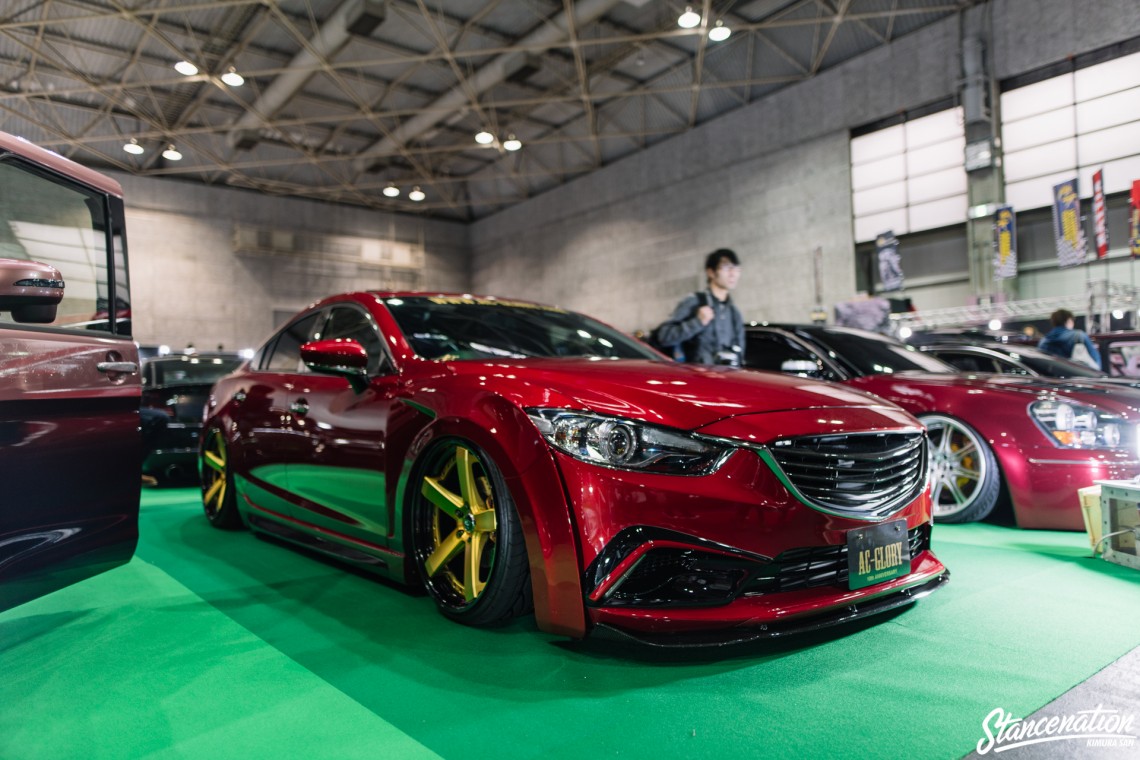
126, 368
300, 406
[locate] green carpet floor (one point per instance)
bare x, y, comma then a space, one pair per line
220, 645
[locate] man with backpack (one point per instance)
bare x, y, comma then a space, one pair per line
706, 327
1068, 343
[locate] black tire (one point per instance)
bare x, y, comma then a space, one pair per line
965, 481
218, 497
466, 540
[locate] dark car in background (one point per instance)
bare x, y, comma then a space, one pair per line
1035, 439
1021, 360
178, 385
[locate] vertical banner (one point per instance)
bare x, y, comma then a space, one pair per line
1100, 224
1070, 238
1134, 227
1005, 243
890, 263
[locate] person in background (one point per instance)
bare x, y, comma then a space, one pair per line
707, 325
1063, 339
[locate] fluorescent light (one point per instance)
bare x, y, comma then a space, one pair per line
391, 191
484, 137
416, 195
689, 18
186, 68
171, 154
720, 32
134, 148
512, 143
232, 78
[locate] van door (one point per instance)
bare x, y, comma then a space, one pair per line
70, 449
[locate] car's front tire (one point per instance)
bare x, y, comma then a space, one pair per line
965, 481
466, 539
218, 497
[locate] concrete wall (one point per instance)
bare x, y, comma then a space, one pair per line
770, 180
190, 285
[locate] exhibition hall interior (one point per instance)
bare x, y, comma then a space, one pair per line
569, 378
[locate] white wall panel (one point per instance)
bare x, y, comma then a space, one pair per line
1044, 159
1109, 111
885, 142
877, 199
937, 127
1109, 144
937, 185
1036, 192
1037, 98
937, 157
1038, 130
868, 227
1118, 175
927, 216
1110, 76
881, 172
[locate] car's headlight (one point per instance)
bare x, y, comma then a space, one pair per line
627, 444
1076, 426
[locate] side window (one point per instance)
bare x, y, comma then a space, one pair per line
283, 353
66, 227
351, 322
776, 353
1010, 368
1124, 359
967, 362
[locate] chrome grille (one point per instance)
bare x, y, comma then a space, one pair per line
863, 474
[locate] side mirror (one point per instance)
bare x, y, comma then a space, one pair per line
800, 367
340, 356
30, 290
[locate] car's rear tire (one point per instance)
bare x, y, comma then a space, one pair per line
465, 537
965, 481
218, 497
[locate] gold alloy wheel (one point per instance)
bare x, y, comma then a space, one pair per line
460, 544
214, 475
957, 467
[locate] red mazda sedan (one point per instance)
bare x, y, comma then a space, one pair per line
1036, 439
508, 455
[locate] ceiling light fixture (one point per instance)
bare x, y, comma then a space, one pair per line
512, 143
171, 154
134, 148
186, 68
689, 18
720, 32
416, 195
391, 190
234, 79
484, 137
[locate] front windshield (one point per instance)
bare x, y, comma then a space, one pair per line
192, 370
450, 328
870, 353
1053, 366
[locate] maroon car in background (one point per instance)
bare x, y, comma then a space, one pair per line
508, 456
1034, 439
69, 389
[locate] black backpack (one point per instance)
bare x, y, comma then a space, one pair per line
677, 351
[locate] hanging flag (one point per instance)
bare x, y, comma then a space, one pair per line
890, 263
1134, 227
1005, 243
1100, 224
1072, 249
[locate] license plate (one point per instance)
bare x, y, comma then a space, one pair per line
877, 553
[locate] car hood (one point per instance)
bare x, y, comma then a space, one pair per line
683, 396
1107, 395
